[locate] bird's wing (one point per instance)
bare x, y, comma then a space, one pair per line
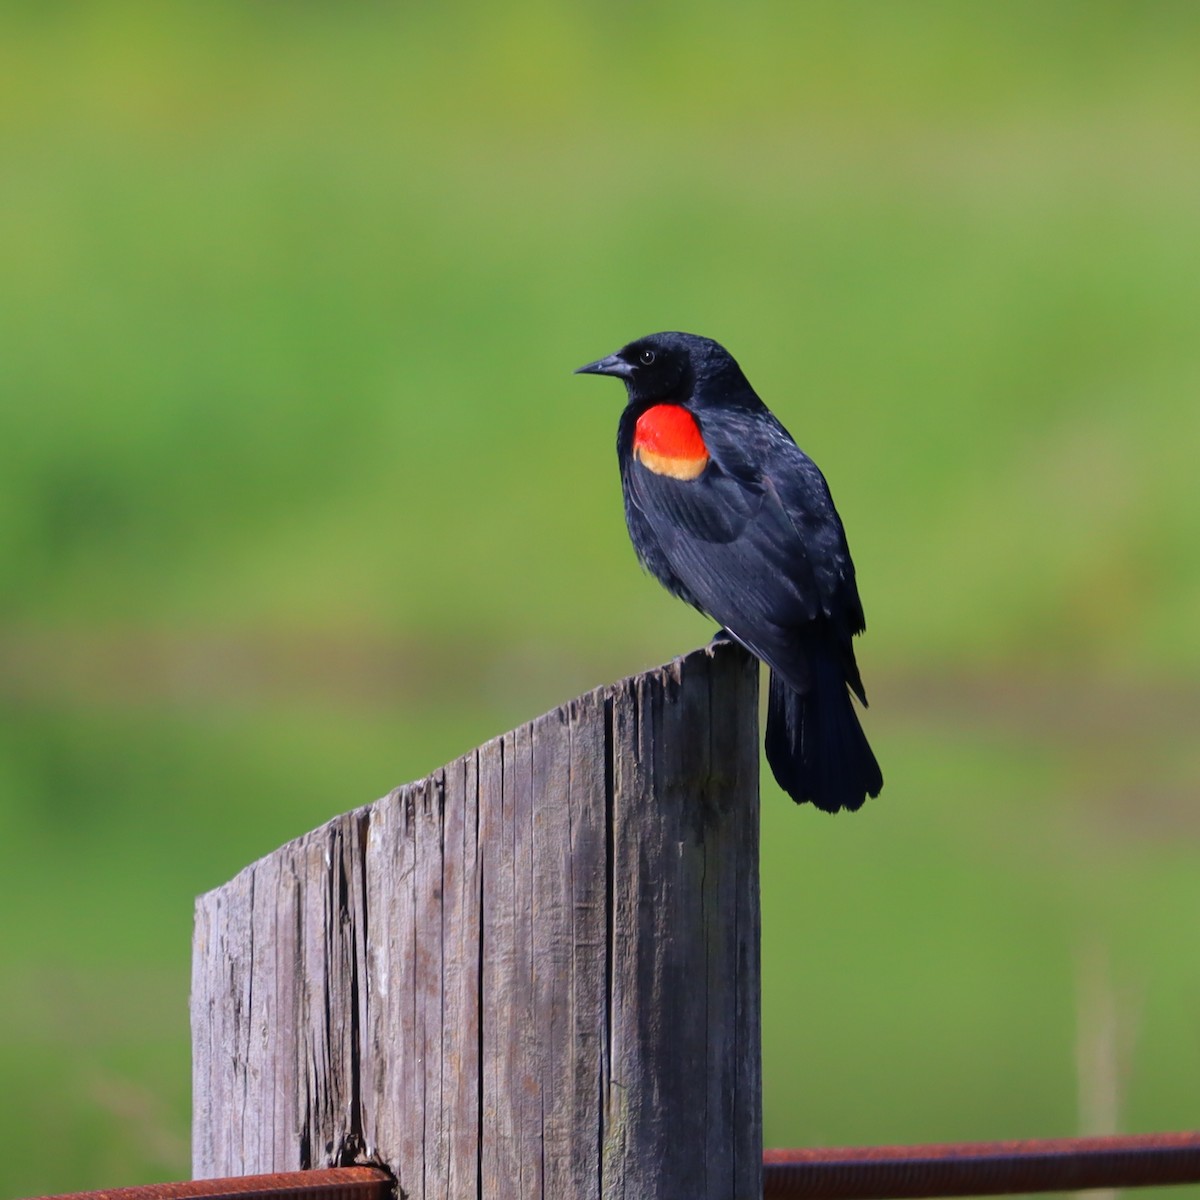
759, 447
731, 544
755, 541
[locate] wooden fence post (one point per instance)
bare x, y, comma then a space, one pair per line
533, 974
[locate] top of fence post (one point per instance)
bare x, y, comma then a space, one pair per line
533, 974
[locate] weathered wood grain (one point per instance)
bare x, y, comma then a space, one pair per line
533, 974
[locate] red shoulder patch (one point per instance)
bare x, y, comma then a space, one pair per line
667, 441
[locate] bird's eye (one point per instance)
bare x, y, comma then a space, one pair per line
646, 357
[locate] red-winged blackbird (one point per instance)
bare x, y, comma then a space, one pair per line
733, 517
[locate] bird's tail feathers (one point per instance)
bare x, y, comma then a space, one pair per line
815, 744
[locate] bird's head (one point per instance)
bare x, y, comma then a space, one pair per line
666, 366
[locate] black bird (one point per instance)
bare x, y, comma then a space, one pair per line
733, 517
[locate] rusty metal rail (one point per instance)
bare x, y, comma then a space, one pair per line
981, 1168
336, 1183
850, 1173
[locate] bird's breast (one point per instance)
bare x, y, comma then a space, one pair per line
667, 441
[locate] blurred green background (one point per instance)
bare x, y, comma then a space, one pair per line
298, 500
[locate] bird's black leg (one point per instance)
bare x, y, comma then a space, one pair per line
722, 635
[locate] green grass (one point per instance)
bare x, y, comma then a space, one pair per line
298, 498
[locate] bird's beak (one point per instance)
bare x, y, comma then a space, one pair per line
612, 365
